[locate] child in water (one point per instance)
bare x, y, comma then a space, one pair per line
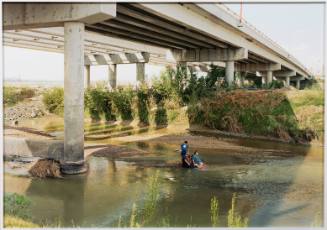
197, 160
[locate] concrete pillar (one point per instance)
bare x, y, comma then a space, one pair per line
88, 76
72, 161
140, 72
287, 81
242, 78
229, 72
269, 77
112, 71
298, 84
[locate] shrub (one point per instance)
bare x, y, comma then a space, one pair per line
13, 95
160, 92
258, 113
143, 103
123, 99
54, 100
99, 101
161, 118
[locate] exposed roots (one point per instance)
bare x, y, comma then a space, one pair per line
46, 168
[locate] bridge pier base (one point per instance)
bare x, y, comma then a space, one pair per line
72, 161
229, 75
112, 71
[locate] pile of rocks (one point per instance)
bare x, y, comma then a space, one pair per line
28, 109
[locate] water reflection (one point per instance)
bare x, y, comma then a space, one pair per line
276, 185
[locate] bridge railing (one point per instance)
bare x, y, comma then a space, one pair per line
236, 16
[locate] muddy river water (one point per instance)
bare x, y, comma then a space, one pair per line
275, 185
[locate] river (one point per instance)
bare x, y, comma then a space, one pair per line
275, 184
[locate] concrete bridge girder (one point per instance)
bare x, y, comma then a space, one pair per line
209, 55
112, 60
123, 58
32, 15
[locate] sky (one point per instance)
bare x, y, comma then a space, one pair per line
296, 27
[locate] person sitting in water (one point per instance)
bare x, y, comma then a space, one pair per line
188, 162
197, 160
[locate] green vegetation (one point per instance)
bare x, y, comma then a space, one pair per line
16, 205
53, 100
13, 95
16, 211
234, 220
266, 113
123, 100
143, 104
161, 91
308, 105
98, 101
210, 102
144, 215
214, 212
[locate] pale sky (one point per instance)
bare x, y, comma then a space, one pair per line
296, 27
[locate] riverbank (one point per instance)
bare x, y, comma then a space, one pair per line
303, 110
286, 115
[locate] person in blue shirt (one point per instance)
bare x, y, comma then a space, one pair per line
184, 150
197, 160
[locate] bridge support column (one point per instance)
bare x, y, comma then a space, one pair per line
112, 71
269, 77
287, 81
140, 72
298, 84
229, 75
88, 76
72, 160
242, 78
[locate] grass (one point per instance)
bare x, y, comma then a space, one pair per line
234, 220
214, 212
308, 106
13, 95
16, 222
16, 205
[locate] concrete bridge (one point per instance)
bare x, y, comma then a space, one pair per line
121, 33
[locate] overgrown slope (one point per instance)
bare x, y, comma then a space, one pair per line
262, 113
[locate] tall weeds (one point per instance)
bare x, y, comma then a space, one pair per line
234, 219
214, 212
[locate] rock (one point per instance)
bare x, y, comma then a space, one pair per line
33, 115
14, 123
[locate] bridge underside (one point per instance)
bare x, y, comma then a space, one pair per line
166, 34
